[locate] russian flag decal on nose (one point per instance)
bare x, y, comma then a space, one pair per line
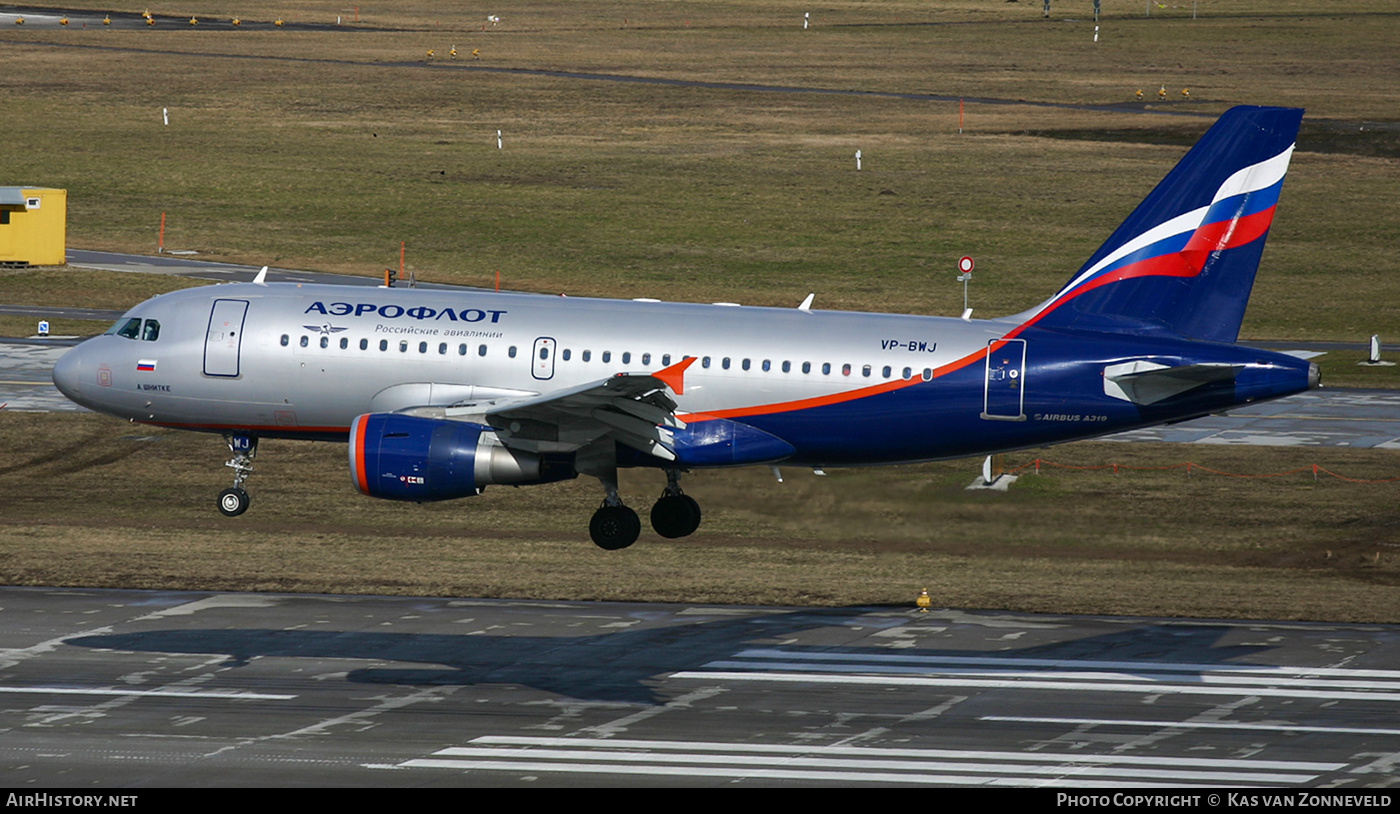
146, 364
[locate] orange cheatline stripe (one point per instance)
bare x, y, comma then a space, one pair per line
844, 396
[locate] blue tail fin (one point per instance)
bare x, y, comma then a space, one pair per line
1183, 263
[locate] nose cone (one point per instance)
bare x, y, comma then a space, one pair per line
68, 372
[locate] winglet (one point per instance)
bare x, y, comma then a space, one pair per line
674, 376
261, 279
807, 303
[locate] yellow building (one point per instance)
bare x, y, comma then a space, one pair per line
33, 226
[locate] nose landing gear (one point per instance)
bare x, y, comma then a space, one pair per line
234, 501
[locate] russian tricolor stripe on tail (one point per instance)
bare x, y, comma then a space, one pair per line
1184, 262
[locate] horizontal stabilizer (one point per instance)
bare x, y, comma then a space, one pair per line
1143, 382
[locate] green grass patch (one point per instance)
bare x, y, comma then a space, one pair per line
64, 286
29, 326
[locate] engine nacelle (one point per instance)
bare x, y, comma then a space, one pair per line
403, 457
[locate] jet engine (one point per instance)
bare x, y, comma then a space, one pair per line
403, 457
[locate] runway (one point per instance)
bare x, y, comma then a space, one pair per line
144, 689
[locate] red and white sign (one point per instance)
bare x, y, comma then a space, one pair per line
965, 265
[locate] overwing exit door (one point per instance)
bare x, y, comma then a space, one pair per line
543, 358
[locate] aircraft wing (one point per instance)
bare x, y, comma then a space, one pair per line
635, 409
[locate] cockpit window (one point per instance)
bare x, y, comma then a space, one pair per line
130, 328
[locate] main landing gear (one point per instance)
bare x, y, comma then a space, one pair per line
615, 526
234, 501
675, 513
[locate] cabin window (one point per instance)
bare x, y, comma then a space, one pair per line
666, 360
705, 362
544, 351
422, 347
846, 370
568, 352
364, 344
607, 356
344, 342
587, 355
511, 352
627, 357
403, 346
151, 331
826, 368
724, 363
908, 373
767, 365
646, 359
865, 371
787, 366
442, 349
305, 340
928, 374
462, 349
384, 344
806, 367
325, 342
286, 340
885, 372
746, 364
481, 351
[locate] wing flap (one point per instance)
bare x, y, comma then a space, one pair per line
634, 409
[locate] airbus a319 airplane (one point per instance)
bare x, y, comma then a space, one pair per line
442, 393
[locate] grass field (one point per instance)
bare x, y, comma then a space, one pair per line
325, 149
94, 501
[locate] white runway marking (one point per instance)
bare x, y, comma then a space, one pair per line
847, 764
778, 665
212, 694
1335, 730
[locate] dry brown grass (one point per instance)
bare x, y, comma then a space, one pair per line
86, 500
325, 149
